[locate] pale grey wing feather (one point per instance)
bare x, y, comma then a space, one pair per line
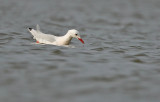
47, 37
39, 35
38, 28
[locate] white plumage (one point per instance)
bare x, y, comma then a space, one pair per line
52, 39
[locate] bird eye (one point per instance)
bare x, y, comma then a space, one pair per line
76, 34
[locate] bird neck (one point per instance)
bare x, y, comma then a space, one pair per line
67, 38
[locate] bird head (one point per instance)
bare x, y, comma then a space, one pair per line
75, 34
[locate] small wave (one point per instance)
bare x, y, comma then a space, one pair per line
69, 46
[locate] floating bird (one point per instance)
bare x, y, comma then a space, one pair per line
52, 39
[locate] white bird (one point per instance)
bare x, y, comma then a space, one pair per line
52, 39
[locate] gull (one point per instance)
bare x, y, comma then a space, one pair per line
52, 39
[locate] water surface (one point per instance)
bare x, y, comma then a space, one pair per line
120, 61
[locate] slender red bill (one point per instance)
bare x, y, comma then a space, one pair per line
81, 40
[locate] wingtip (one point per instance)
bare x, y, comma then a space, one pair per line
29, 29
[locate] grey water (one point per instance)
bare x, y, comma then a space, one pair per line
119, 62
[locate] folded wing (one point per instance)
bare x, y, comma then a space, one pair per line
41, 37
